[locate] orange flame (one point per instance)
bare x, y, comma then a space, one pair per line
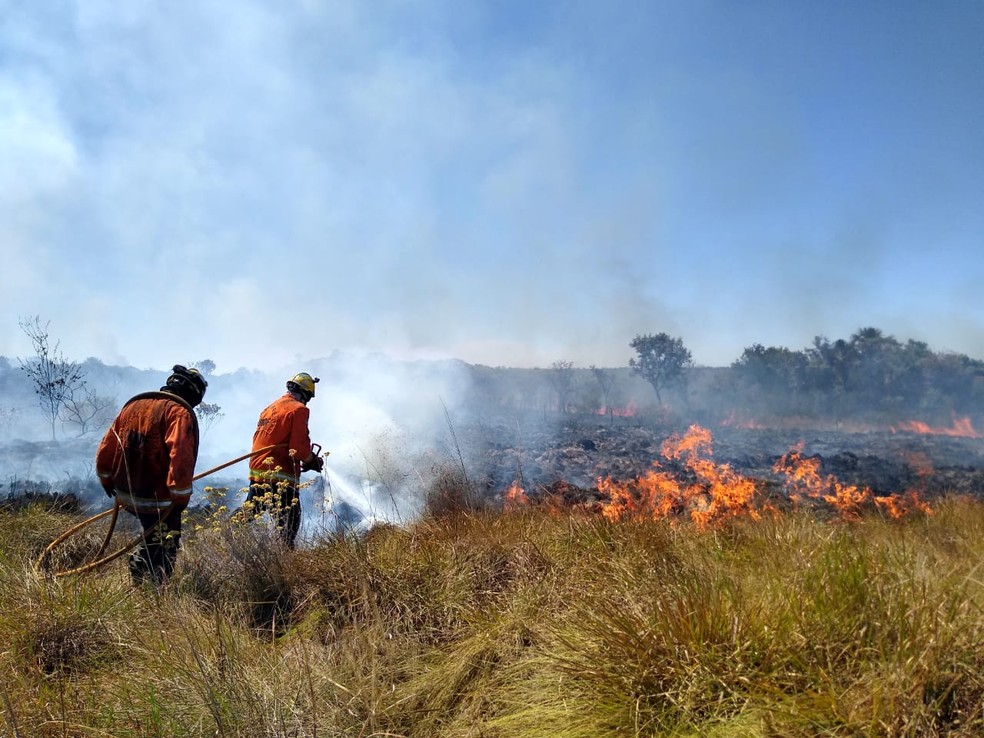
515, 497
803, 477
899, 506
717, 492
709, 492
920, 463
961, 428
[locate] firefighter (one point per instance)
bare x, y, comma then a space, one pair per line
274, 475
146, 461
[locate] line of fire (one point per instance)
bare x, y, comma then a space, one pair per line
687, 483
845, 428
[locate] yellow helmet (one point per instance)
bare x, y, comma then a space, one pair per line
303, 382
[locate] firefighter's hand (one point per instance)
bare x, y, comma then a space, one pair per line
108, 489
313, 463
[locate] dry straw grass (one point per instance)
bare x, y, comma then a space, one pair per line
478, 623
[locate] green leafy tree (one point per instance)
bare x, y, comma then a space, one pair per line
209, 413
662, 361
771, 378
205, 366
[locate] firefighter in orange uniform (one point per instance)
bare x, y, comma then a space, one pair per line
147, 461
275, 475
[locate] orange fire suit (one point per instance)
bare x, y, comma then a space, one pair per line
148, 454
275, 474
147, 461
284, 421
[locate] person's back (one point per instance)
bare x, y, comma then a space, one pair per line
284, 425
146, 462
148, 454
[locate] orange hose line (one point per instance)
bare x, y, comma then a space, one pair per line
115, 510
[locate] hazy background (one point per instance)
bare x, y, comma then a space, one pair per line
387, 427
506, 183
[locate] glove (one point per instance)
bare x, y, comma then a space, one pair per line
313, 463
108, 489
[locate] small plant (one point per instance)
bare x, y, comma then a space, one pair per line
56, 379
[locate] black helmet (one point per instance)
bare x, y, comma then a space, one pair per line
189, 384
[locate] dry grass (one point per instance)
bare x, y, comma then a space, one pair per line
471, 624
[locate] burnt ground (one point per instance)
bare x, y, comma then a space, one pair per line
577, 453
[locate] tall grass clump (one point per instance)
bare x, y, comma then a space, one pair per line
782, 626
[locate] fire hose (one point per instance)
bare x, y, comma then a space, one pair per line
115, 511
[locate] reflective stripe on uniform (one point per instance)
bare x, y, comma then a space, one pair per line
141, 504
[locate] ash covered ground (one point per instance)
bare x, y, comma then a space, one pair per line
569, 456
579, 452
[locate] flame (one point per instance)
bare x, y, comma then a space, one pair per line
847, 499
899, 506
961, 428
691, 484
515, 497
717, 491
920, 464
803, 478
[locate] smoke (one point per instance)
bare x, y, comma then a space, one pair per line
383, 424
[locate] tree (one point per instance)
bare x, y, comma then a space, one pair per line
8, 417
561, 378
606, 381
87, 409
663, 361
55, 378
830, 364
208, 415
772, 378
205, 366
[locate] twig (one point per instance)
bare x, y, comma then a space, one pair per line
454, 438
10, 717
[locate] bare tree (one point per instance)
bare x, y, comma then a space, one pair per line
87, 409
8, 417
55, 378
606, 381
561, 378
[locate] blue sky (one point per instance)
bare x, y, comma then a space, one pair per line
508, 183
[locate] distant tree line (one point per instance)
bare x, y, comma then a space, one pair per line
870, 376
